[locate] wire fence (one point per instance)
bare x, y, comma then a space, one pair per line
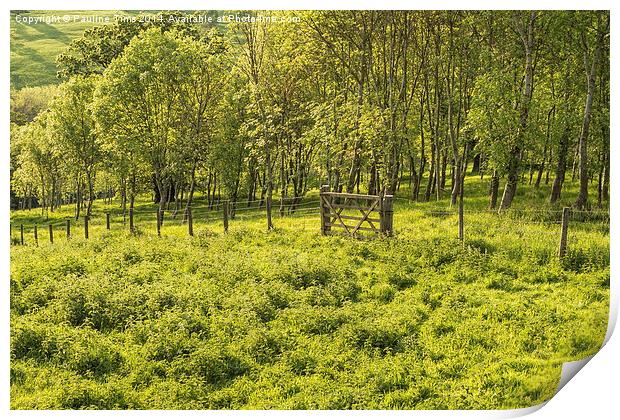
112, 219
228, 212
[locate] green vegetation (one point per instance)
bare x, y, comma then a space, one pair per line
353, 99
27, 103
34, 47
291, 319
437, 108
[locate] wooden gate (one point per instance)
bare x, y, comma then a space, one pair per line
357, 209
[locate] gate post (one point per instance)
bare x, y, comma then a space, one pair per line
387, 214
325, 218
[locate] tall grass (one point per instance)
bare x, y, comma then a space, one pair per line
293, 319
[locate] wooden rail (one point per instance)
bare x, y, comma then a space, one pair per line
333, 205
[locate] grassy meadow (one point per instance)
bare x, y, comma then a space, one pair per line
290, 319
34, 47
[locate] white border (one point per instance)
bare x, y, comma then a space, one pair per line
592, 395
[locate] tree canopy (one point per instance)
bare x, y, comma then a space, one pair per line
365, 101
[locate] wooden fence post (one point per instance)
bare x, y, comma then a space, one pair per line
51, 228
36, 236
107, 221
325, 213
190, 222
68, 228
564, 232
387, 214
225, 207
21, 232
158, 214
86, 227
131, 220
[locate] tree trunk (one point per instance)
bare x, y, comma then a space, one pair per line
269, 188
591, 68
420, 177
527, 36
437, 168
124, 197
190, 194
512, 179
416, 192
606, 164
431, 179
599, 195
283, 183
541, 169
493, 190
560, 171
132, 199
476, 167
78, 200
444, 165
91, 194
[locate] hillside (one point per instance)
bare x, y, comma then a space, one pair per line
34, 47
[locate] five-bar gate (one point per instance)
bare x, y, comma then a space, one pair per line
354, 212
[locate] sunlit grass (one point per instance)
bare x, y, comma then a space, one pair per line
34, 47
293, 319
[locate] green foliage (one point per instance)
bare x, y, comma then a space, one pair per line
98, 46
292, 319
355, 99
28, 102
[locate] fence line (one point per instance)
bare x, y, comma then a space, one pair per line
223, 211
509, 210
180, 216
207, 209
